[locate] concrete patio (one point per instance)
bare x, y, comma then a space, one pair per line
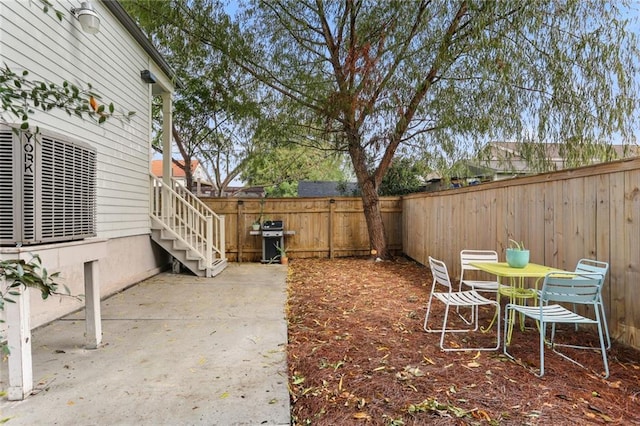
177, 350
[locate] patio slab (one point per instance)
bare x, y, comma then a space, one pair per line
177, 350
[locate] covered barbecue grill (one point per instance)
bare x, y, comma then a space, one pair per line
272, 239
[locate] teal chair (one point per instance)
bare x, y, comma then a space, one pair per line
590, 266
568, 288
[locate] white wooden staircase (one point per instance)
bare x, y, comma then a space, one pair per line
186, 228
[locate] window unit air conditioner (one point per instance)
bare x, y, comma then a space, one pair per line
47, 188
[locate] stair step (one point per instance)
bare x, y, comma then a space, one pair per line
190, 259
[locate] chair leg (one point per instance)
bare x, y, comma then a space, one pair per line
543, 330
509, 312
603, 349
445, 330
467, 321
426, 317
603, 318
444, 327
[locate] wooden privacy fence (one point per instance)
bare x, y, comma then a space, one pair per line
589, 212
321, 227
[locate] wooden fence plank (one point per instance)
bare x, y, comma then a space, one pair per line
629, 290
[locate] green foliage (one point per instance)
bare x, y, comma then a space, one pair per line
503, 69
280, 168
513, 244
47, 5
282, 189
17, 275
282, 250
21, 97
403, 177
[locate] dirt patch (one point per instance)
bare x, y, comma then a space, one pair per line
358, 354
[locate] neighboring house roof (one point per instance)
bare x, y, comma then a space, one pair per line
317, 188
510, 157
554, 150
176, 171
244, 191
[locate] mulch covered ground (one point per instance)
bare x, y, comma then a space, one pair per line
358, 354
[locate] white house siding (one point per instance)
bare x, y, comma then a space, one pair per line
199, 174
111, 61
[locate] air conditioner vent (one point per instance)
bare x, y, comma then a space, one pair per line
7, 184
49, 184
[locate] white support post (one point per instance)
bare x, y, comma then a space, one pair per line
167, 136
209, 245
92, 305
222, 237
18, 318
19, 342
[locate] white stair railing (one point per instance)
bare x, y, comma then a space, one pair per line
194, 224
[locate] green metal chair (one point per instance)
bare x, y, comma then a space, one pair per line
470, 298
568, 288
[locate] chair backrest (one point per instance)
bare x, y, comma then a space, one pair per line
582, 288
475, 256
439, 272
590, 266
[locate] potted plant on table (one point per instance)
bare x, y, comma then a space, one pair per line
517, 255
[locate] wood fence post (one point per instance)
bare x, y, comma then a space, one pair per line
332, 208
240, 228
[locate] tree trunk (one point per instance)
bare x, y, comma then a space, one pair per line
370, 199
375, 225
186, 165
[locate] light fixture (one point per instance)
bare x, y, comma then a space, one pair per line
89, 19
148, 77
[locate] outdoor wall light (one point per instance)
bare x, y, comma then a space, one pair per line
148, 77
89, 19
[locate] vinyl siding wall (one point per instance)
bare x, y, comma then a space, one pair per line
111, 62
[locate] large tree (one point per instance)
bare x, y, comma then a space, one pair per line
377, 76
